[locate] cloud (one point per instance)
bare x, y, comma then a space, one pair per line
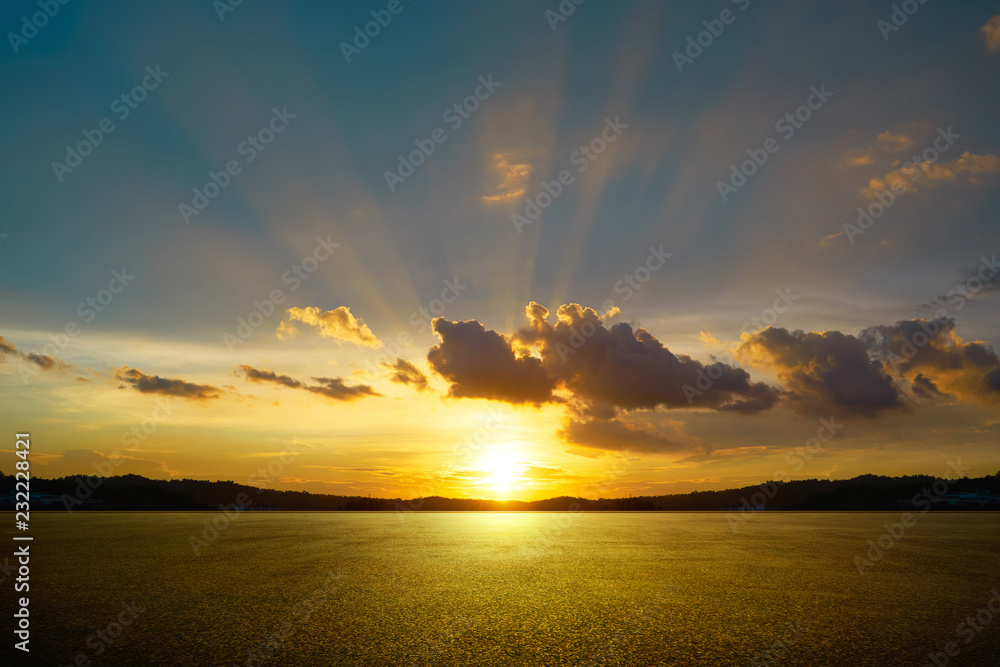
618, 368
979, 282
933, 354
254, 375
153, 384
44, 362
604, 370
991, 31
482, 364
824, 371
330, 387
89, 462
923, 387
616, 435
403, 372
966, 169
338, 323
336, 389
827, 241
862, 160
887, 142
512, 179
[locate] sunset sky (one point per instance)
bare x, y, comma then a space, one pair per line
599, 254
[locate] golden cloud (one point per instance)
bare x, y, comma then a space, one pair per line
887, 142
338, 323
991, 31
965, 169
511, 177
154, 384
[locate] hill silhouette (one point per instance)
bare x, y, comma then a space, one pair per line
863, 493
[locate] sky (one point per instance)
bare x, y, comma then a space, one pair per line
501, 250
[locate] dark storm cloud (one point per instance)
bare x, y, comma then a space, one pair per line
482, 364
824, 371
153, 384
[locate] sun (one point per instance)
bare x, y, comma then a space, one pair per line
504, 473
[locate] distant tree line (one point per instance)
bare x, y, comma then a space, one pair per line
134, 492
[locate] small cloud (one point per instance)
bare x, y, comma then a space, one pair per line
334, 388
44, 362
153, 384
254, 375
338, 323
991, 31
966, 168
888, 142
286, 330
511, 177
827, 241
403, 372
710, 341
